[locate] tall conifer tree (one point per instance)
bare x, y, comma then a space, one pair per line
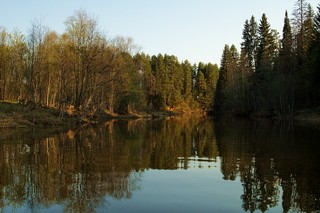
249, 44
266, 48
286, 49
314, 62
285, 75
266, 53
220, 96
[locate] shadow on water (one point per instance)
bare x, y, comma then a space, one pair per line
276, 163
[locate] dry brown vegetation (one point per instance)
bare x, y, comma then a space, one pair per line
14, 115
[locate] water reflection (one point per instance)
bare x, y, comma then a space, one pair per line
80, 169
269, 157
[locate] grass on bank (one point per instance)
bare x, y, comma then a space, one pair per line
13, 115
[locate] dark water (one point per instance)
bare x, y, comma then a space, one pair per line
172, 165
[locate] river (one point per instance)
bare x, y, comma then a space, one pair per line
177, 164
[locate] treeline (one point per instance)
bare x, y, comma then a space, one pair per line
272, 75
85, 68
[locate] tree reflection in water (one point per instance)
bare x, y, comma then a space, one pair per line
269, 156
81, 168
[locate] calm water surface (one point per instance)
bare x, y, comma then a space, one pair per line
171, 165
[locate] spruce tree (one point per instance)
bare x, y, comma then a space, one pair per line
227, 88
211, 76
267, 47
247, 64
249, 44
314, 62
220, 93
284, 78
308, 28
287, 45
266, 53
304, 73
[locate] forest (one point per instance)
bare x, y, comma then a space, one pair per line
83, 67
90, 71
272, 75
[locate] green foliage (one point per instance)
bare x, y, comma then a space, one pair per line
201, 89
83, 68
305, 36
250, 41
211, 76
272, 76
314, 62
227, 68
87, 70
205, 84
284, 75
187, 80
287, 39
266, 47
171, 83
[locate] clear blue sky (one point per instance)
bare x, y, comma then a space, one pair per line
196, 30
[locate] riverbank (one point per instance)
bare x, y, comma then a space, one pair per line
13, 115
